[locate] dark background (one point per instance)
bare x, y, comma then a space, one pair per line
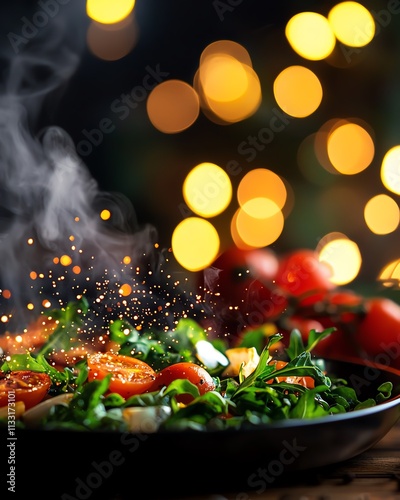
148, 167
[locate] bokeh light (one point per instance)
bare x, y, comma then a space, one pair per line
352, 23
228, 88
112, 42
248, 231
389, 275
173, 106
382, 214
227, 47
390, 170
223, 78
310, 35
105, 214
350, 148
195, 243
207, 189
65, 260
125, 290
298, 91
261, 183
104, 11
344, 258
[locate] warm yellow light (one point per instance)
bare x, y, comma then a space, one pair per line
350, 148
390, 170
207, 189
382, 214
352, 23
229, 48
298, 91
310, 35
65, 260
105, 214
125, 290
256, 232
344, 258
238, 109
223, 78
109, 12
195, 243
262, 183
389, 275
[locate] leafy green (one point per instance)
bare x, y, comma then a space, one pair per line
272, 392
62, 380
69, 320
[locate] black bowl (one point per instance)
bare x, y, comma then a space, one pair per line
71, 465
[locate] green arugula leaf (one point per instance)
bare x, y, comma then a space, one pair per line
69, 319
297, 346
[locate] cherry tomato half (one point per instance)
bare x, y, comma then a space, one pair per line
184, 370
23, 385
129, 376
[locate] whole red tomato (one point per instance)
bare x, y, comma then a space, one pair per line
241, 287
301, 274
378, 333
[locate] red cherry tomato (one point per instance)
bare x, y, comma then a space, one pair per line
301, 274
339, 308
129, 376
242, 286
25, 385
196, 374
378, 333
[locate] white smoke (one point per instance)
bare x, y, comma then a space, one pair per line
47, 193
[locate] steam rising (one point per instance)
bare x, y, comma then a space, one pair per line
48, 197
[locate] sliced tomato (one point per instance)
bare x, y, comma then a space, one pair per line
304, 381
23, 385
35, 335
129, 376
196, 374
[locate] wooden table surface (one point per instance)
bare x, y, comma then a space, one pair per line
373, 475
